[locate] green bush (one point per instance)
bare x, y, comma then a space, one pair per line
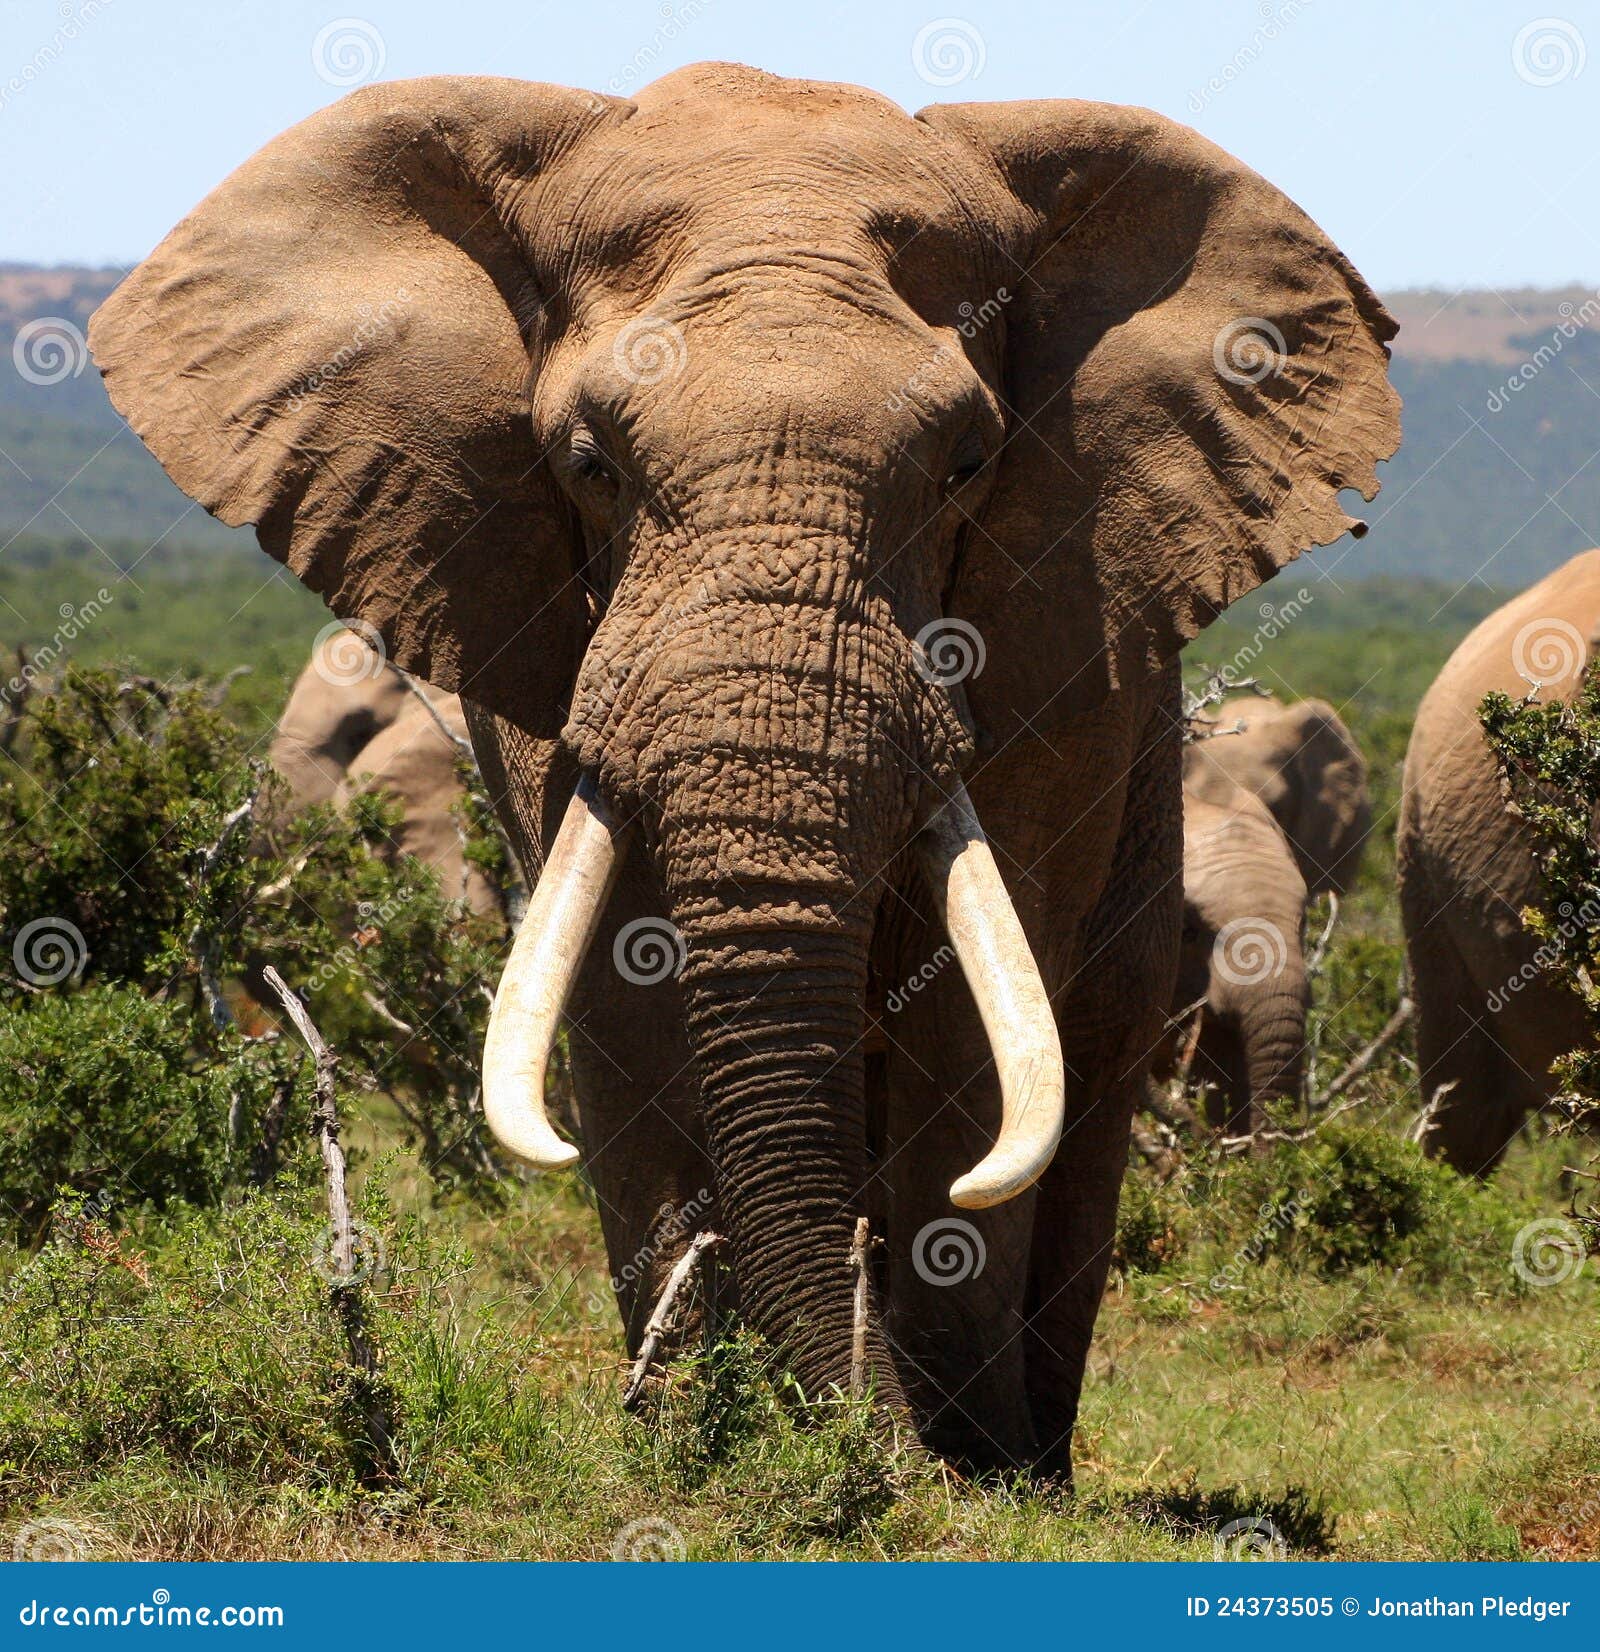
101, 1092
1549, 760
150, 854
1353, 1197
1154, 1225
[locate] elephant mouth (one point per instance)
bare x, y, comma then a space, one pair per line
985, 933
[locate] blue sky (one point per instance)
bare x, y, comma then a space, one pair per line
1448, 145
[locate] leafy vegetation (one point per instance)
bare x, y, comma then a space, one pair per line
1549, 757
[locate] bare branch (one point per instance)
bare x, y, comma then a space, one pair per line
1363, 1059
1320, 950
203, 947
660, 1319
859, 1247
345, 1289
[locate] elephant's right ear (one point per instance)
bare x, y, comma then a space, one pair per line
334, 345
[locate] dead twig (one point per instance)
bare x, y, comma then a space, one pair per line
514, 898
661, 1316
218, 692
1363, 1059
1191, 1044
1320, 950
1212, 692
859, 1247
345, 1288
202, 945
1419, 1125
1163, 1158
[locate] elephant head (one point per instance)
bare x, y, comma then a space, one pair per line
1305, 765
340, 703
352, 725
1242, 960
692, 431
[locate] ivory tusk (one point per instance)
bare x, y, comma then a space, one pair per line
563, 913
999, 966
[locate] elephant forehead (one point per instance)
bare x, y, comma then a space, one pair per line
723, 159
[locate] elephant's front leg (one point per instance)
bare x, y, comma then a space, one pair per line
957, 1278
1111, 1013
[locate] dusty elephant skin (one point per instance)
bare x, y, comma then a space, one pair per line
1241, 958
352, 725
662, 431
1305, 765
1272, 814
1489, 1019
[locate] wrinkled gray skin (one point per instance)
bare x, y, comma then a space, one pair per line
663, 430
1490, 1020
1243, 916
351, 725
1305, 765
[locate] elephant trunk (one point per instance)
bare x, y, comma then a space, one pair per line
776, 1018
1273, 1028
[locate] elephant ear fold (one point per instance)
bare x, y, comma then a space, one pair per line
1194, 373
1328, 777
335, 346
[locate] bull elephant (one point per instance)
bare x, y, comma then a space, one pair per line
1242, 957
788, 486
1305, 765
1489, 1019
352, 725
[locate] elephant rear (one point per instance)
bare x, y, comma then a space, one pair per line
1490, 1020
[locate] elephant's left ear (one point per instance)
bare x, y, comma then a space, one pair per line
1194, 373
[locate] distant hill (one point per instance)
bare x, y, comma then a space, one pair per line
1498, 480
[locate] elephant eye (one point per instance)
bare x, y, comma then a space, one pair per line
966, 465
588, 463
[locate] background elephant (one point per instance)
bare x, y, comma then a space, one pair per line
787, 485
1305, 765
1489, 1019
352, 725
1244, 906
